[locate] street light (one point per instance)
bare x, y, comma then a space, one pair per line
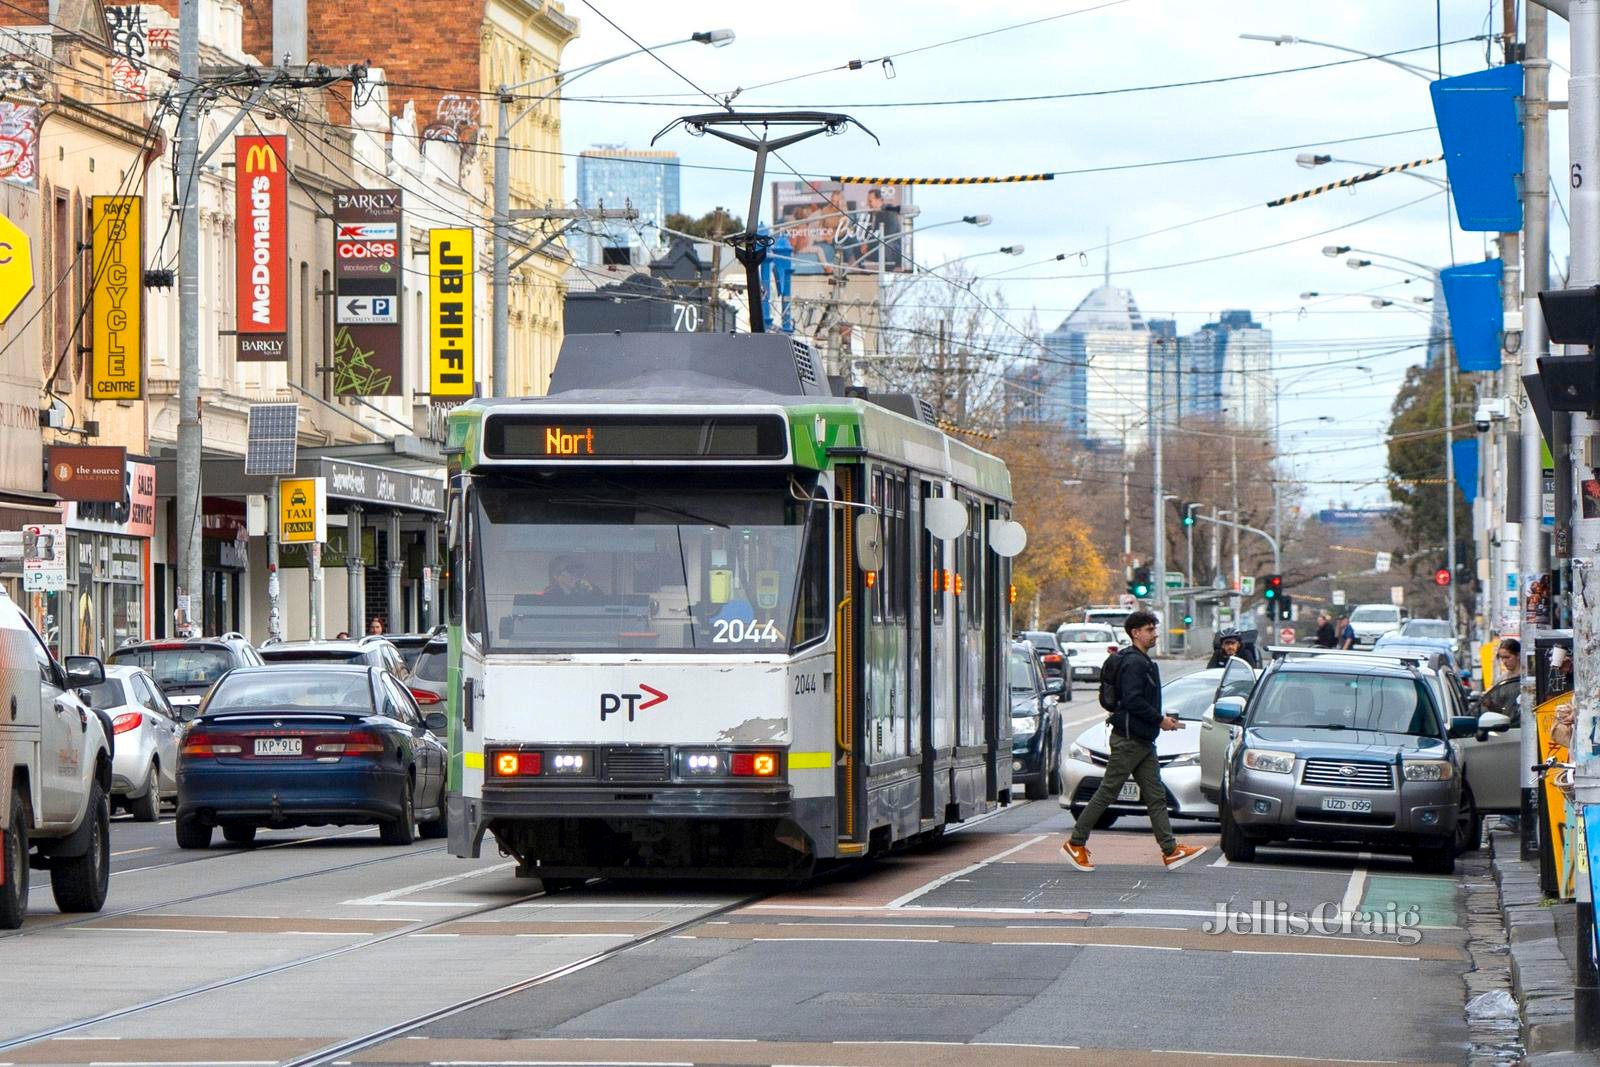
1284, 38
1335, 251
1310, 160
501, 286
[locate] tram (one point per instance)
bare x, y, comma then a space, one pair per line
713, 614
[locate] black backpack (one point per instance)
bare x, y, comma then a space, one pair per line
1109, 670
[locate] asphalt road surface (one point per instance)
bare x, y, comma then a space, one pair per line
327, 946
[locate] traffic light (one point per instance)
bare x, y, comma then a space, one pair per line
1188, 619
1280, 607
1186, 511
1441, 577
1272, 587
1140, 586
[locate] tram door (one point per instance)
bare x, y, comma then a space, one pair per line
971, 676
918, 544
938, 666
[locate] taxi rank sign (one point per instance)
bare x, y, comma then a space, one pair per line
368, 349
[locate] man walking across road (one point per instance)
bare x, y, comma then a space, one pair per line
1136, 722
1326, 637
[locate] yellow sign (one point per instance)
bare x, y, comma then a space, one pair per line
302, 511
16, 267
450, 272
117, 348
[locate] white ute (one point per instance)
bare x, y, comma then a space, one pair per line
55, 774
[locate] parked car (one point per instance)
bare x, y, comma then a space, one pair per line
1111, 617
1424, 647
1177, 752
144, 766
1035, 725
409, 646
185, 669
1355, 748
55, 763
1089, 644
1053, 659
375, 651
1372, 621
1434, 630
429, 679
310, 745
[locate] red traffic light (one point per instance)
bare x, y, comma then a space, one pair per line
1441, 576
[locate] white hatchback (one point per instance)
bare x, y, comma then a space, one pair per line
1087, 646
144, 765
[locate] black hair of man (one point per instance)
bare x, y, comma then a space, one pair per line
1138, 620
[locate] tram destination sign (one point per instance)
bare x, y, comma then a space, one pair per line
649, 437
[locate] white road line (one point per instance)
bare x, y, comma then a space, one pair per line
902, 901
1221, 861
138, 930
1257, 1056
1358, 884
1321, 955
131, 851
1093, 944
407, 890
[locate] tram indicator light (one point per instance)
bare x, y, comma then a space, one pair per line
753, 764
518, 764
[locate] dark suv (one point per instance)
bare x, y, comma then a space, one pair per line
1052, 658
187, 668
1035, 724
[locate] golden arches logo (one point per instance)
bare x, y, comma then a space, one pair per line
259, 158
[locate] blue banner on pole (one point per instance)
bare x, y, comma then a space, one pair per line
1472, 298
1482, 137
1466, 456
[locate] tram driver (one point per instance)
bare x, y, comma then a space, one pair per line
567, 582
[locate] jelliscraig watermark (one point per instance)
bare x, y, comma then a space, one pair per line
1326, 919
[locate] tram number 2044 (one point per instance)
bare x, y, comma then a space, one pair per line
739, 632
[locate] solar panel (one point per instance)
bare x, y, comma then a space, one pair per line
270, 448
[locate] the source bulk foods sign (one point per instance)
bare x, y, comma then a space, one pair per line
117, 348
261, 206
368, 350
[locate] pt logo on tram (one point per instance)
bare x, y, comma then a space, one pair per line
611, 703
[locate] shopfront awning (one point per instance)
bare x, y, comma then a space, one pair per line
368, 484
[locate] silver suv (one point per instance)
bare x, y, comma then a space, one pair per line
1353, 748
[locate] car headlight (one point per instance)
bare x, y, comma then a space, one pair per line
1428, 771
1078, 752
1024, 724
1188, 759
1260, 759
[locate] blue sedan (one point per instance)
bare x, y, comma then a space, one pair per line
310, 746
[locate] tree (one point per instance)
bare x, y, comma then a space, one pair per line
713, 225
1416, 473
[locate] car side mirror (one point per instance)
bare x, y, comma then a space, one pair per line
84, 671
1055, 686
1465, 726
435, 720
1493, 722
1229, 710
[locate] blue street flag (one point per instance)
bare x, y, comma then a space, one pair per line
1466, 456
1482, 138
1472, 297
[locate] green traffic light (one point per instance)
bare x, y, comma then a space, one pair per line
1188, 620
1270, 593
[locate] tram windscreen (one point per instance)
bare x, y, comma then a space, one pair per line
711, 561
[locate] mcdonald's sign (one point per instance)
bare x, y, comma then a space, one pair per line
261, 227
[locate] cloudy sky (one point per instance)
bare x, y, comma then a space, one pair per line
1108, 150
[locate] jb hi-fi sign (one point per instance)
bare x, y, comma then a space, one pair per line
368, 350
262, 218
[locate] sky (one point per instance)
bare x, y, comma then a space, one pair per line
1251, 257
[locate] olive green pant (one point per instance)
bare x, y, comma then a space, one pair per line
1136, 759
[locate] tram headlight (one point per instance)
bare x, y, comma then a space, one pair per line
700, 764
578, 764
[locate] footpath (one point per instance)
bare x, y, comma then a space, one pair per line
1543, 945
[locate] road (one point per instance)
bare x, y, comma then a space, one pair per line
986, 949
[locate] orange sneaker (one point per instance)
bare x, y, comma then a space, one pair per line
1181, 855
1077, 855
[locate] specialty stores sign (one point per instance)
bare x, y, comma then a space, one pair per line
262, 216
368, 349
117, 348
450, 275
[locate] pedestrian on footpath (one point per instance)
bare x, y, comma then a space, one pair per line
1136, 722
1347, 633
375, 627
1326, 638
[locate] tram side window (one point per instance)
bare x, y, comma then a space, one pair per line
973, 565
936, 575
812, 603
880, 592
896, 551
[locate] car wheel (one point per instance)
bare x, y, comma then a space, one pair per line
1055, 779
148, 807
192, 833
1469, 823
1235, 844
14, 855
401, 831
1436, 859
80, 883
434, 829
239, 835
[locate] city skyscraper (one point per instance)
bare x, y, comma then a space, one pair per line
1096, 381
614, 176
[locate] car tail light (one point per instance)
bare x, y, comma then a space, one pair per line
356, 744
753, 764
1051, 657
212, 745
423, 696
128, 720
1111, 649
517, 764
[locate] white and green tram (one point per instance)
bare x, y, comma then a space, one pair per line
707, 617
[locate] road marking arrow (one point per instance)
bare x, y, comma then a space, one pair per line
657, 695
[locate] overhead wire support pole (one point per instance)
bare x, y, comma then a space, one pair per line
1277, 560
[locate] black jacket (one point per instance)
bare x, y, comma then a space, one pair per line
1327, 637
1138, 711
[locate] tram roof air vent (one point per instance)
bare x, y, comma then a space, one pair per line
688, 363
804, 365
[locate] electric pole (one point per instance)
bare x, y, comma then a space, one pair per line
188, 586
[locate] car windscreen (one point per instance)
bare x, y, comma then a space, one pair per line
430, 666
177, 669
1085, 635
1043, 642
1375, 614
1108, 618
1339, 701
1426, 628
1189, 697
108, 694
313, 655
1021, 673
291, 691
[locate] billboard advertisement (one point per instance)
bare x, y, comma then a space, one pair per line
93, 473
450, 276
116, 349
843, 224
261, 205
368, 350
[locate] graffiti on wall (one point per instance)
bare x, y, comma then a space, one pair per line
19, 143
130, 49
354, 370
456, 118
18, 78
